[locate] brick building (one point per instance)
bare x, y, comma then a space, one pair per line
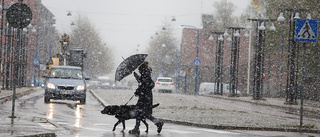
207, 55
27, 46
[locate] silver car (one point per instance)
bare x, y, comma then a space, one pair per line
65, 82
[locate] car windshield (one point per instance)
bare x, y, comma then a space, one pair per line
164, 80
66, 73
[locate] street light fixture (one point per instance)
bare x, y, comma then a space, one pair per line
226, 34
246, 34
211, 37
259, 57
281, 17
197, 57
219, 63
234, 58
272, 28
229, 39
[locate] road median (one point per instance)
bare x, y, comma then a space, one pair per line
214, 113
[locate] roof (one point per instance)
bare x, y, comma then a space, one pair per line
65, 67
164, 78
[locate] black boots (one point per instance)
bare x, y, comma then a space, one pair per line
159, 126
137, 131
134, 131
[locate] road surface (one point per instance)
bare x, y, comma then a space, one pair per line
71, 119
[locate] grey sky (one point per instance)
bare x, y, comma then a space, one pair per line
124, 24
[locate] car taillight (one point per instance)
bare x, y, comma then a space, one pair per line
158, 83
171, 84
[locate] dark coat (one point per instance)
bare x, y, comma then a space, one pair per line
144, 91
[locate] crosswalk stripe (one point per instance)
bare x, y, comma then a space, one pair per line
215, 131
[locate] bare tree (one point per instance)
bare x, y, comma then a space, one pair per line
223, 17
99, 59
162, 52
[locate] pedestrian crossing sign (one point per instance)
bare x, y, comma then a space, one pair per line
35, 61
196, 62
306, 30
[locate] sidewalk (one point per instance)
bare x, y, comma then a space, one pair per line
24, 126
222, 112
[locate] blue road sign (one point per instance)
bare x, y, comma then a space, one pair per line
306, 30
196, 62
35, 61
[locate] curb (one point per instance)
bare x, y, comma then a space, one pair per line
20, 94
102, 102
8, 98
239, 127
224, 127
263, 104
40, 135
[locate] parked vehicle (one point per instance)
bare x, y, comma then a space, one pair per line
207, 88
164, 84
93, 84
65, 82
39, 82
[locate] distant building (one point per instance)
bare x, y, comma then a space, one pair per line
207, 55
40, 15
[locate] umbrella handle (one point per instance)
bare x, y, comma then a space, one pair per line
129, 99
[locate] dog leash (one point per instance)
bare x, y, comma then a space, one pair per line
129, 99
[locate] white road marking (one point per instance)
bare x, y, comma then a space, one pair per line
215, 131
47, 126
101, 124
181, 131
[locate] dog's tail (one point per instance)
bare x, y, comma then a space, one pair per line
155, 105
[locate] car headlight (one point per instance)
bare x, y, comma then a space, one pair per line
51, 86
80, 87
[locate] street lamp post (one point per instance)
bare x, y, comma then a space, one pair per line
234, 61
197, 57
37, 38
219, 62
291, 87
258, 68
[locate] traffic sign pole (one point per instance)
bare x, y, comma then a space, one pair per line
19, 16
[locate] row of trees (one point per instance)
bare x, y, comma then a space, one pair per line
99, 57
162, 52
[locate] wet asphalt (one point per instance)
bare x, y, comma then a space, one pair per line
70, 119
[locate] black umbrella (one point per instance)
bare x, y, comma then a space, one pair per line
127, 66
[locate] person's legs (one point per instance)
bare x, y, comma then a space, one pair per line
136, 129
158, 123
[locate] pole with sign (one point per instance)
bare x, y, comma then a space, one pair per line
19, 16
306, 31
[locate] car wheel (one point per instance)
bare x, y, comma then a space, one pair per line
83, 101
46, 99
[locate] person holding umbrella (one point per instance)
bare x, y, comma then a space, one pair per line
145, 101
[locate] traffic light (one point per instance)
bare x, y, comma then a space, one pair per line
64, 38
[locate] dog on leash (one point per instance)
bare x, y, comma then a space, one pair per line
123, 113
